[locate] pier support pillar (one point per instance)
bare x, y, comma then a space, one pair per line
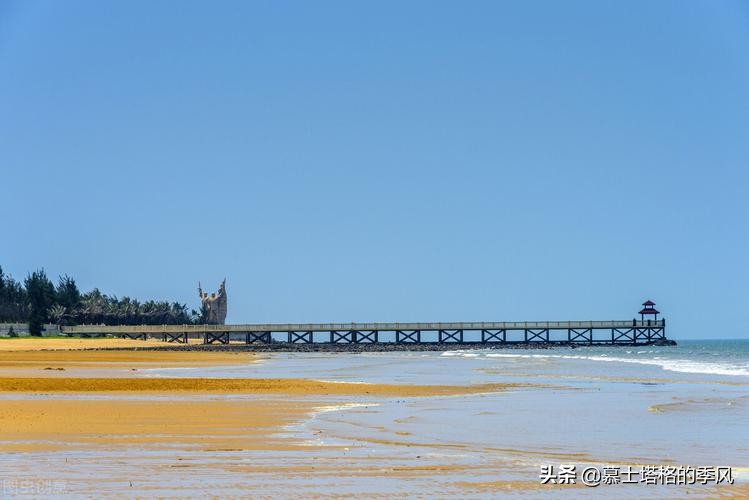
580, 335
407, 336
347, 337
367, 337
624, 335
450, 336
251, 337
216, 337
541, 335
135, 336
493, 336
300, 337
180, 338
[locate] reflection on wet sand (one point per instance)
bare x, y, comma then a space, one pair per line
705, 404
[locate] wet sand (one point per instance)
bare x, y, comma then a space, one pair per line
287, 386
117, 358
191, 424
54, 401
97, 360
193, 444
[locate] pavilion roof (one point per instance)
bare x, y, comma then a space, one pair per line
649, 310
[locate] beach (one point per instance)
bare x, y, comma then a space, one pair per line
107, 422
432, 249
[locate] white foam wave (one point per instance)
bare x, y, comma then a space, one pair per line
682, 365
674, 365
361, 382
522, 356
342, 407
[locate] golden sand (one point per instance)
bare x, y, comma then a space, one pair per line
39, 343
112, 358
225, 385
210, 425
94, 412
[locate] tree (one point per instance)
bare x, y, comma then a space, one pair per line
68, 297
41, 297
13, 306
93, 306
40, 301
57, 314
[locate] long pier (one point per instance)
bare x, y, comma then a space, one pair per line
626, 332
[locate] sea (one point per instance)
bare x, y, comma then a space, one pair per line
616, 407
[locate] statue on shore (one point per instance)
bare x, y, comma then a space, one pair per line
214, 305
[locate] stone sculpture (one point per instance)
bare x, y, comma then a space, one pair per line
214, 305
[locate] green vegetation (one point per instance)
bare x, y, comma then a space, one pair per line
14, 307
38, 301
40, 293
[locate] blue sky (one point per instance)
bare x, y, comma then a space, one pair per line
384, 161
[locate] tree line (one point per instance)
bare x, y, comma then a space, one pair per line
37, 301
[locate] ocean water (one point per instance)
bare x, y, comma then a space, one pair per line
694, 359
671, 405
706, 357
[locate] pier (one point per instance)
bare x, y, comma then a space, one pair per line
626, 332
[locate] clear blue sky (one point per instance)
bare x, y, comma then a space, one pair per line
342, 161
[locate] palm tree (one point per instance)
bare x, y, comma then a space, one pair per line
57, 313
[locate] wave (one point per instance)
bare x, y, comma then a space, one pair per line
684, 366
674, 365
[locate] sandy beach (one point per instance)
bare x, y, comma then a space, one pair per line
151, 422
55, 343
55, 401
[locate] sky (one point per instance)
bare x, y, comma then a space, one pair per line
384, 161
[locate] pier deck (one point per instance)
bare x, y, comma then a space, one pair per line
626, 332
